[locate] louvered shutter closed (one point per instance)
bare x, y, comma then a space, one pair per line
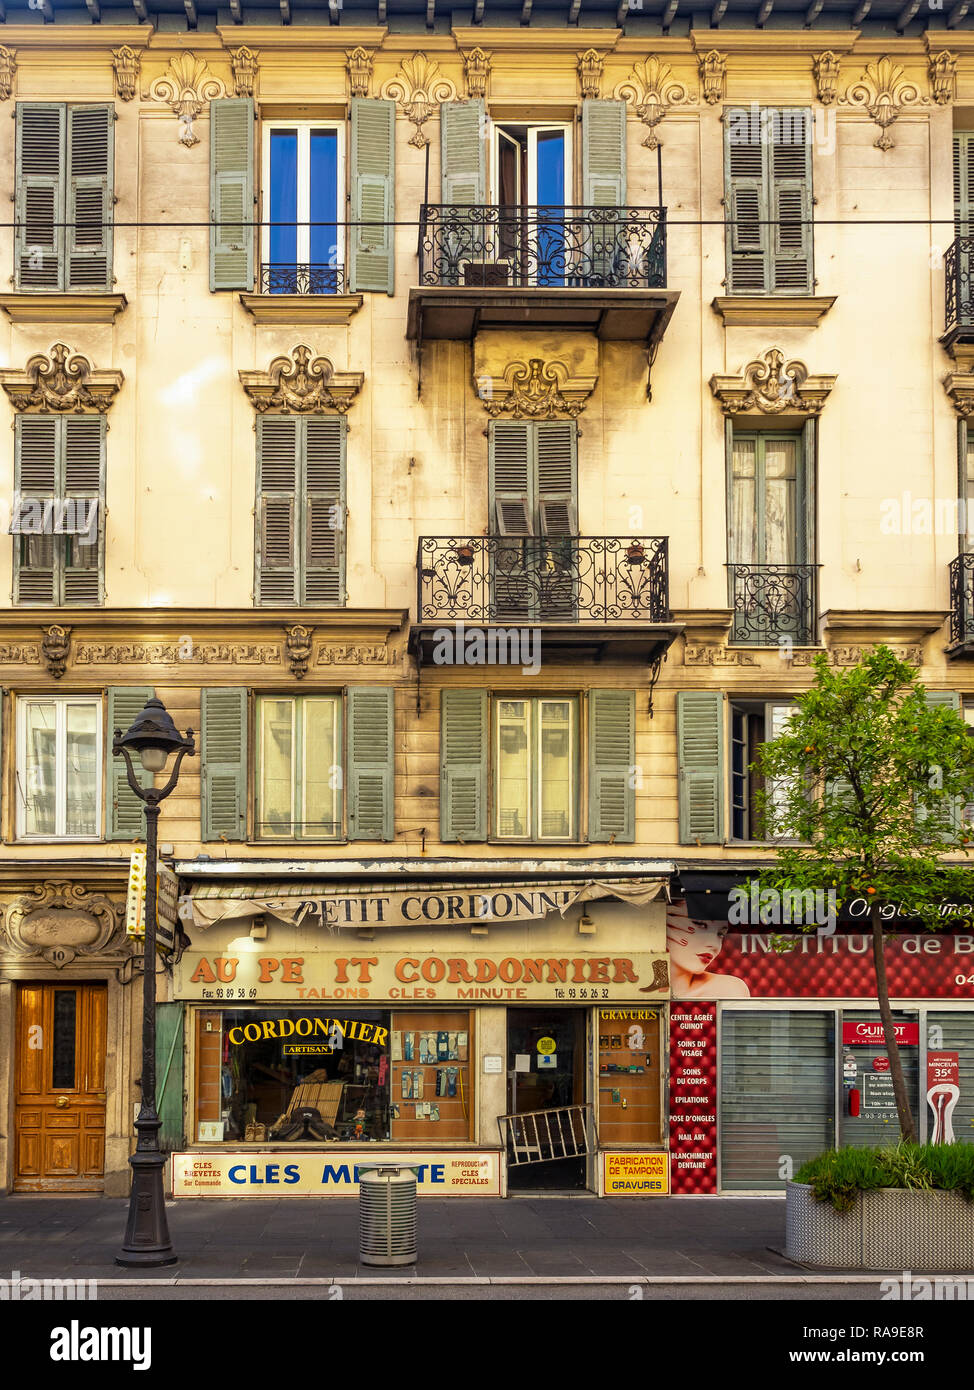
963, 184
373, 155
745, 201
125, 810
557, 511
232, 194
37, 441
277, 509
463, 766
90, 163
223, 772
511, 449
612, 756
603, 153
84, 478
463, 171
790, 156
700, 759
324, 503
371, 763
39, 251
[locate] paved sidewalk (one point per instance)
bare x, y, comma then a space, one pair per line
687, 1237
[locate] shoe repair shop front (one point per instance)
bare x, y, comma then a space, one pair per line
503, 1036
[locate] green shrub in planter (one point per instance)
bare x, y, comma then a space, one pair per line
837, 1175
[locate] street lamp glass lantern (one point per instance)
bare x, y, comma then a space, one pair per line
153, 736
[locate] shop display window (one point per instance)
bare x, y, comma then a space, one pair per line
629, 1076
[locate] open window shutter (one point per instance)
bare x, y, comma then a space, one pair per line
37, 441
169, 1075
84, 478
324, 506
700, 759
463, 766
603, 153
278, 438
125, 820
611, 764
39, 251
948, 699
463, 166
511, 448
746, 205
791, 201
232, 193
776, 719
557, 487
963, 184
223, 772
371, 763
91, 165
373, 159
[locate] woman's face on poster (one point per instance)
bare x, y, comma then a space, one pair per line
693, 945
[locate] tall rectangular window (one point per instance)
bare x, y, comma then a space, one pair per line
768, 200
58, 514
59, 768
753, 722
300, 772
304, 184
536, 772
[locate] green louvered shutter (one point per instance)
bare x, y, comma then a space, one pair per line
37, 442
323, 500
700, 760
232, 194
512, 471
463, 165
125, 820
948, 699
371, 763
463, 766
611, 766
373, 156
169, 1075
84, 478
278, 509
39, 197
557, 469
790, 176
603, 153
963, 184
223, 772
746, 204
90, 189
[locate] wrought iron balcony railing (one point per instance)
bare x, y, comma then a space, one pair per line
772, 602
962, 599
538, 579
958, 287
302, 279
515, 247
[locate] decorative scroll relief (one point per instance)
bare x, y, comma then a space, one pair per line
59, 920
301, 383
419, 88
55, 649
885, 93
942, 68
298, 648
590, 65
183, 652
126, 63
651, 89
186, 86
851, 656
825, 70
61, 382
353, 654
476, 71
771, 386
535, 390
359, 63
717, 656
713, 74
243, 62
19, 654
8, 67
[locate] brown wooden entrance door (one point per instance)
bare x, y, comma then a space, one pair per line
59, 1120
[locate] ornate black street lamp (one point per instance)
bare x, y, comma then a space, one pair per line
154, 737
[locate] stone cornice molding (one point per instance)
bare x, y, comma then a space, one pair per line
301, 383
771, 386
960, 392
535, 390
60, 383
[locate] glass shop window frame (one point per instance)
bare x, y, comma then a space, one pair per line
534, 835
60, 703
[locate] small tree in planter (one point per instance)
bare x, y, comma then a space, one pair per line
867, 783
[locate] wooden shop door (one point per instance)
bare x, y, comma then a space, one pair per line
59, 1119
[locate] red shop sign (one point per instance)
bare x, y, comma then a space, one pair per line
880, 1064
872, 1035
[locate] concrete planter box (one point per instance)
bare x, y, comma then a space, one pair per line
890, 1228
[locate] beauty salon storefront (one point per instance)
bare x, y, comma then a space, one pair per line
332, 1021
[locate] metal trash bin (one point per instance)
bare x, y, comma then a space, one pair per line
387, 1215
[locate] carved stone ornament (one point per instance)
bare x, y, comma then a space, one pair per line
352, 654
943, 76
536, 390
302, 383
825, 70
8, 66
55, 649
717, 656
19, 654
476, 70
298, 649
652, 89
126, 62
852, 655
178, 653
960, 391
359, 63
243, 61
59, 920
713, 71
61, 383
419, 88
590, 64
771, 386
884, 92
186, 85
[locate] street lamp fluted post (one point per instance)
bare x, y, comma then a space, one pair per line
154, 736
